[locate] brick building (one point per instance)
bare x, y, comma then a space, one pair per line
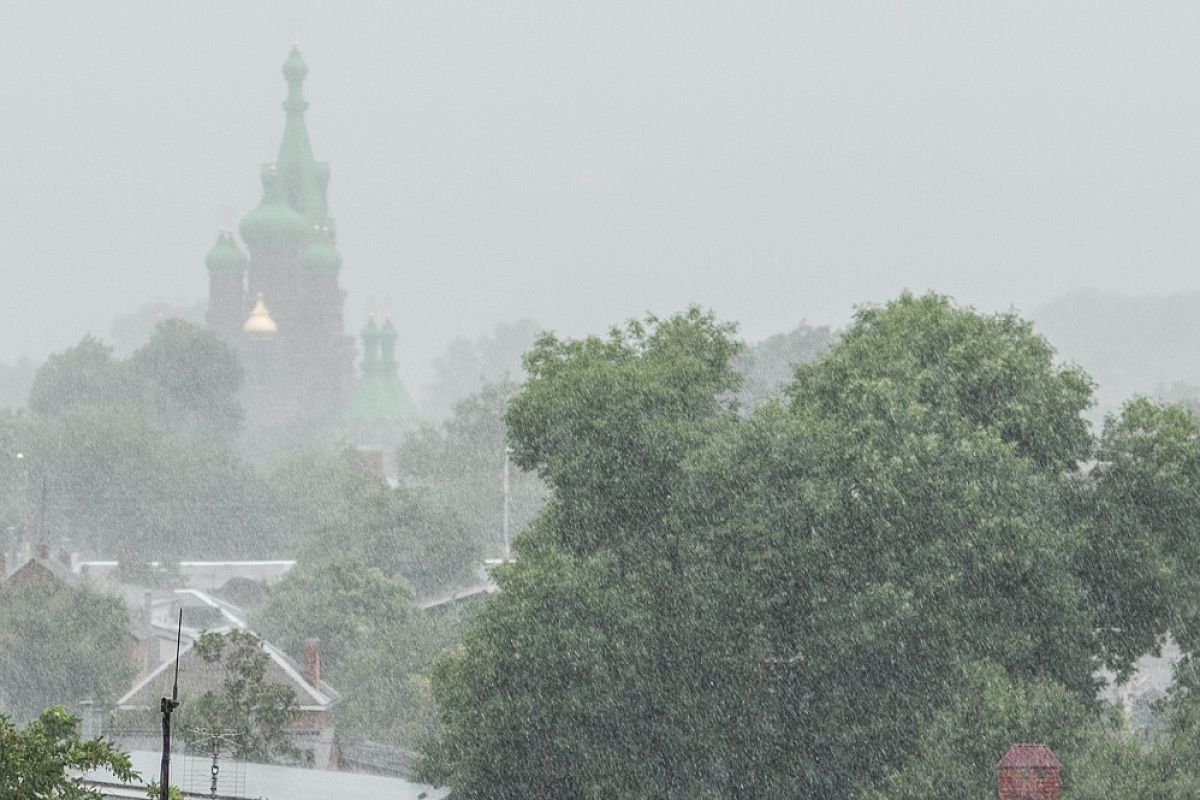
281, 307
1029, 772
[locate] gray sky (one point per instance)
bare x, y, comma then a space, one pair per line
584, 163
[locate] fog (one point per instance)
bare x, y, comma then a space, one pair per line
749, 543
580, 165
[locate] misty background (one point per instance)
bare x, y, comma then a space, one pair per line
576, 165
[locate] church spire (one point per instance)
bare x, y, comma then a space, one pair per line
295, 71
303, 180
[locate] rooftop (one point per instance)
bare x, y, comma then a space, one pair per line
1029, 755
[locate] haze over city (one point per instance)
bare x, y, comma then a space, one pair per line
776, 162
664, 401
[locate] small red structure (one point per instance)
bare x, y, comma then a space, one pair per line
1029, 772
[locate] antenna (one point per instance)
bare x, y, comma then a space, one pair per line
167, 705
178, 637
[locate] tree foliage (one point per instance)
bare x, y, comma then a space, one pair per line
768, 366
402, 532
822, 598
467, 366
245, 704
462, 466
60, 645
41, 761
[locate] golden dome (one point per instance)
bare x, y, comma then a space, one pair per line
259, 321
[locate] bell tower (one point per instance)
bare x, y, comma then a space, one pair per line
293, 267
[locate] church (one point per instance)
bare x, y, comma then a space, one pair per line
280, 305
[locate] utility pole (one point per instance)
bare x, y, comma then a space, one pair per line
507, 508
167, 706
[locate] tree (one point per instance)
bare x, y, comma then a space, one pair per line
15, 487
42, 761
1141, 505
606, 423
342, 602
85, 375
570, 672
462, 466
402, 532
129, 331
785, 599
769, 365
467, 366
195, 379
376, 645
60, 644
256, 712
124, 488
958, 746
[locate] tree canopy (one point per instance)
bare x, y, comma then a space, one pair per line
777, 605
252, 712
60, 645
462, 466
41, 760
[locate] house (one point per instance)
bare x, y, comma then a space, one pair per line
312, 732
39, 568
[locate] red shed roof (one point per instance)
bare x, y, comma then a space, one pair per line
1029, 755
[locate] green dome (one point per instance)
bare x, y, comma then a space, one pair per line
225, 255
321, 256
294, 69
274, 224
380, 398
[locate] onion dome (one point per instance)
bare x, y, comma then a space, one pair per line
380, 399
321, 256
259, 322
273, 224
225, 255
294, 69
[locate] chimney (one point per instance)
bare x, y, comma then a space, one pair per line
312, 662
43, 552
1029, 772
3, 565
24, 553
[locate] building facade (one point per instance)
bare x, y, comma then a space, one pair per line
279, 301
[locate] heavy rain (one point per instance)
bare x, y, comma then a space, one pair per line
552, 401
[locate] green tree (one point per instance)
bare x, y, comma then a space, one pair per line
462, 466
467, 366
42, 760
85, 375
768, 366
1141, 505
16, 507
60, 645
342, 602
403, 532
958, 746
376, 645
785, 599
245, 704
194, 378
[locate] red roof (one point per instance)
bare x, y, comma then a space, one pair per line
1029, 755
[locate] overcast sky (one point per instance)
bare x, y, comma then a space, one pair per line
582, 163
